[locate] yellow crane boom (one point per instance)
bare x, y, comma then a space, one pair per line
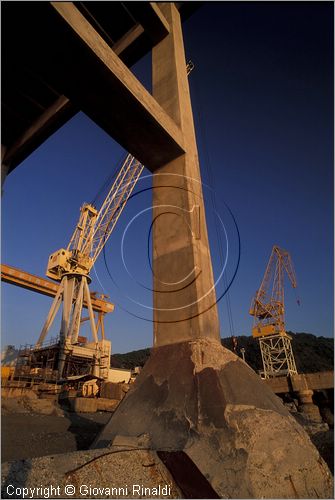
72, 266
23, 279
268, 310
268, 306
95, 227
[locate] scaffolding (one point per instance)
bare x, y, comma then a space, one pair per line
39, 364
268, 310
277, 356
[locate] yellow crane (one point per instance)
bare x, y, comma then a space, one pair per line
71, 267
268, 310
23, 279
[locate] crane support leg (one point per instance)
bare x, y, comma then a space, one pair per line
51, 316
90, 309
100, 324
67, 306
68, 285
75, 323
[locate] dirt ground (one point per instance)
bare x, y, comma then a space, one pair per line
35, 428
30, 435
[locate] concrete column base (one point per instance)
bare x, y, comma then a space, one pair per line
201, 398
307, 407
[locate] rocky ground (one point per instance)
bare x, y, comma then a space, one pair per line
39, 427
321, 436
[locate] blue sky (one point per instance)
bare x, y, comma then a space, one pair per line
262, 93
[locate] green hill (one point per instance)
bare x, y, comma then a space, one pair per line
130, 359
312, 354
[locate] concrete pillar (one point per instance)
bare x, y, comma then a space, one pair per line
184, 295
306, 405
193, 394
324, 403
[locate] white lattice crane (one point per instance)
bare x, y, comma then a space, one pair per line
72, 266
268, 309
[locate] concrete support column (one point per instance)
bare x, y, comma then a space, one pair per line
193, 394
306, 404
324, 403
184, 294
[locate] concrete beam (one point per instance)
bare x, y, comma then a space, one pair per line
52, 119
77, 63
320, 380
58, 58
149, 15
58, 113
111, 95
279, 385
311, 381
128, 39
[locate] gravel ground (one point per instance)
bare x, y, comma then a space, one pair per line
27, 435
321, 436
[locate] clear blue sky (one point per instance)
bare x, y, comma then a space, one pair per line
262, 93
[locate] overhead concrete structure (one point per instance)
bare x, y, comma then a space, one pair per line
193, 394
77, 58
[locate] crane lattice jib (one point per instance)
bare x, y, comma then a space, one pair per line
279, 259
268, 304
113, 206
82, 236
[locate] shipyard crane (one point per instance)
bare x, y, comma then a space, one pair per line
71, 267
268, 310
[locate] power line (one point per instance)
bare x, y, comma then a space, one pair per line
213, 202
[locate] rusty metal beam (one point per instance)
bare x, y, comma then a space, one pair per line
34, 283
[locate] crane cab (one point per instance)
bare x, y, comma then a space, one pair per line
58, 264
68, 261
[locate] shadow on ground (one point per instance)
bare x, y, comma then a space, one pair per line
28, 435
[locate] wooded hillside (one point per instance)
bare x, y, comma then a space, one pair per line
312, 354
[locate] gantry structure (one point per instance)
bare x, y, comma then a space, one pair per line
60, 58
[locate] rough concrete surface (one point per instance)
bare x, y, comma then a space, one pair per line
201, 398
83, 405
109, 473
105, 404
30, 435
30, 404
